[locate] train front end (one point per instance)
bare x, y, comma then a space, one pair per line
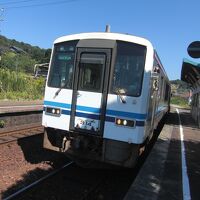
95, 103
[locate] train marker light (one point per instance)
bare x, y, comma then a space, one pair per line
53, 111
119, 121
125, 122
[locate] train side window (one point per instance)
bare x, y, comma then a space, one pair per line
166, 92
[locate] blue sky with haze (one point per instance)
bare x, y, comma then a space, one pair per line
170, 25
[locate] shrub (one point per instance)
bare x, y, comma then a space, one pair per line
20, 86
180, 101
2, 124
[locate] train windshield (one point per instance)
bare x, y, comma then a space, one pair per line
129, 68
127, 75
62, 66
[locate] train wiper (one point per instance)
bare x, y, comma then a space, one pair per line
61, 87
120, 92
58, 91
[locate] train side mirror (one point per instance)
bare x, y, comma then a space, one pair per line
156, 70
155, 82
155, 76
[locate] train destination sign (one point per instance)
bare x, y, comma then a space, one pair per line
194, 49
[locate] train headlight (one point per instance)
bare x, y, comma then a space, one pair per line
124, 122
53, 111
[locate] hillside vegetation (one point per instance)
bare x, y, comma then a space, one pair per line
20, 86
21, 57
179, 87
180, 93
16, 70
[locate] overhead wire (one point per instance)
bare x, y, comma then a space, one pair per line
15, 2
34, 5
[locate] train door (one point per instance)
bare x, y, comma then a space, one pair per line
90, 90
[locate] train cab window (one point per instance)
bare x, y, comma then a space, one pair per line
129, 68
62, 66
91, 71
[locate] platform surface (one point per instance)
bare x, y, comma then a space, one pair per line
164, 174
20, 106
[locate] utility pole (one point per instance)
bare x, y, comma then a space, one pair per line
1, 15
1, 19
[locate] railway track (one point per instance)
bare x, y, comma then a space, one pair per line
83, 188
91, 193
77, 183
22, 191
86, 195
10, 135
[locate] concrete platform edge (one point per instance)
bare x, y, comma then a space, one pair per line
148, 181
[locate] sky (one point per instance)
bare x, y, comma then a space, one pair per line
170, 25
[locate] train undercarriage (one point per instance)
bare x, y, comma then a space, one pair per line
84, 149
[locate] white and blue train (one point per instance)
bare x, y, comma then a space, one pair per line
105, 94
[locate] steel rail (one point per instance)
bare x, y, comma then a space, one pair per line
92, 190
25, 189
8, 132
13, 140
25, 134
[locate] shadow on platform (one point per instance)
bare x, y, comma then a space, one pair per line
161, 175
186, 119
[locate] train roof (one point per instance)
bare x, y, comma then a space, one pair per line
190, 72
105, 35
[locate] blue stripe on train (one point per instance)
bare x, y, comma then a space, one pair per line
87, 115
57, 104
97, 110
68, 106
126, 114
97, 117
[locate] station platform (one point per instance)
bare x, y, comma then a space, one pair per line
20, 106
172, 169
